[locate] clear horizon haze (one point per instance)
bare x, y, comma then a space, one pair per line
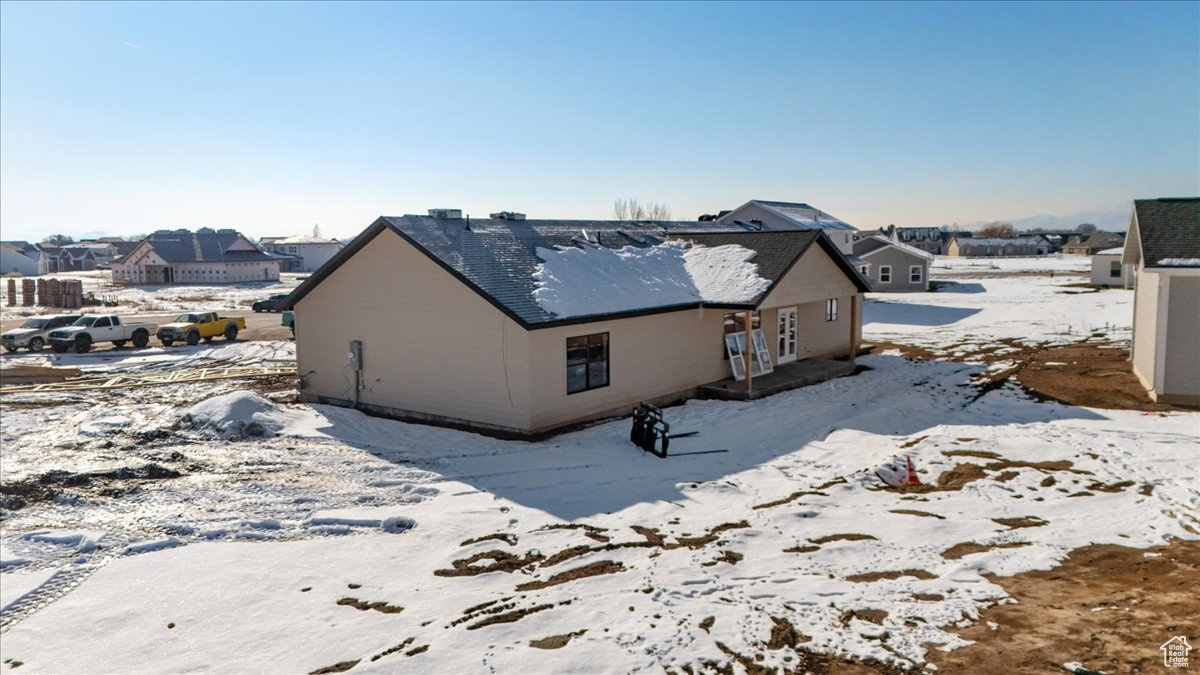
272, 117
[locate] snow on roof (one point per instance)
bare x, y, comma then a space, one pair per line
994, 241
806, 216
583, 281
1179, 262
299, 239
1111, 251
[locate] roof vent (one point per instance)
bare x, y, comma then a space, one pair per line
508, 215
445, 214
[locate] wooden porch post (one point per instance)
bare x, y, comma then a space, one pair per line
748, 353
854, 322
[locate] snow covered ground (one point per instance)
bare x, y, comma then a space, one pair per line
323, 536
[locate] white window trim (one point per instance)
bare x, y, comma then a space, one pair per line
920, 274
786, 349
831, 310
885, 269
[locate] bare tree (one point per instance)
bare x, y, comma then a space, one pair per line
997, 228
58, 240
316, 230
633, 209
1085, 228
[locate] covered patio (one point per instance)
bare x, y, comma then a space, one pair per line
785, 377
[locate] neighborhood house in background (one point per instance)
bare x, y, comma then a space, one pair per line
303, 253
892, 267
1164, 244
524, 326
205, 256
1108, 270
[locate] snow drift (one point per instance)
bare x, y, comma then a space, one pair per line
240, 414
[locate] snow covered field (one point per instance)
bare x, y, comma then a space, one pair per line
160, 299
178, 540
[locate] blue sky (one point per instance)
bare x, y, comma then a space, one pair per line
271, 117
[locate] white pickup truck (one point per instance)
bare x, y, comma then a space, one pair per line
90, 329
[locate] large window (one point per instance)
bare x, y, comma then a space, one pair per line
587, 362
885, 274
915, 274
831, 309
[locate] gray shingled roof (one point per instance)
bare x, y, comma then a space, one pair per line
182, 246
804, 215
1168, 229
498, 257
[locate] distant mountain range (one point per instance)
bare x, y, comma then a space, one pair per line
1113, 218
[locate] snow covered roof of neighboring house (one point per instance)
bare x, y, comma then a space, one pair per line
803, 215
1111, 251
875, 242
499, 259
298, 239
1168, 230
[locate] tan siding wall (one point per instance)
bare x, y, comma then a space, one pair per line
431, 345
1145, 327
649, 357
1182, 376
814, 277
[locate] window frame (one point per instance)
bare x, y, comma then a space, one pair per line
918, 277
885, 269
831, 310
1115, 269
588, 361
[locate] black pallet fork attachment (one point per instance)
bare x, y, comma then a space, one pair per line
652, 433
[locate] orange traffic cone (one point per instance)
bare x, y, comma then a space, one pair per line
911, 479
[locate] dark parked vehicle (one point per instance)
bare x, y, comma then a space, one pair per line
271, 304
32, 333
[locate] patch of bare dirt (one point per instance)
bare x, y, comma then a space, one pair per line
510, 539
802, 549
363, 606
913, 512
784, 634
1023, 521
1094, 376
875, 616
509, 617
590, 570
966, 548
981, 454
501, 562
876, 576
555, 641
726, 557
841, 537
1145, 602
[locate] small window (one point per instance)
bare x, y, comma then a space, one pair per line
1114, 269
831, 309
885, 274
915, 274
587, 362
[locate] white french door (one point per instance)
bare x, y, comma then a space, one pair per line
786, 351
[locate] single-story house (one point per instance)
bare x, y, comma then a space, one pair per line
520, 327
1090, 244
893, 267
772, 215
1108, 270
18, 258
1164, 244
991, 247
308, 252
205, 256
